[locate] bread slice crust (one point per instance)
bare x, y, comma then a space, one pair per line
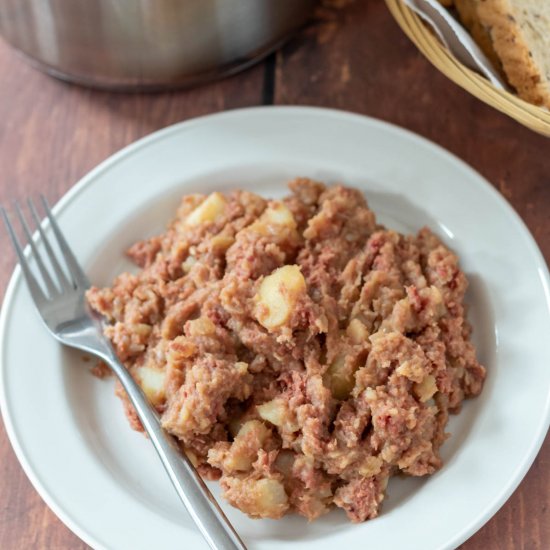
503, 19
467, 13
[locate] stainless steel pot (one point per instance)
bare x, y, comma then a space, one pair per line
148, 44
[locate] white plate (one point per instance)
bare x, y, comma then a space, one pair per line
104, 481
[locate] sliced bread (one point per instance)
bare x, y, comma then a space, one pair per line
467, 12
520, 34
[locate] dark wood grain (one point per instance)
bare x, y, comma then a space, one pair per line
356, 59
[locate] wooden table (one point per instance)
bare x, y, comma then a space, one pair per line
52, 133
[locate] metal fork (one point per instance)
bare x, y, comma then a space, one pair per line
63, 308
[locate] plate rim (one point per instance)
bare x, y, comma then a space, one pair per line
186, 125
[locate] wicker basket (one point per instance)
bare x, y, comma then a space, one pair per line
535, 118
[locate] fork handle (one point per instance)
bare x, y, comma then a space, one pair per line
193, 492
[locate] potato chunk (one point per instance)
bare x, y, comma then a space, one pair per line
220, 243
339, 378
371, 466
202, 326
278, 214
357, 331
261, 498
240, 455
255, 427
278, 295
277, 412
284, 462
426, 389
151, 382
275, 220
244, 450
208, 211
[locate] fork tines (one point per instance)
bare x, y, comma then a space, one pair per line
55, 281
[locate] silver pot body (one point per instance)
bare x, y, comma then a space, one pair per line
148, 44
